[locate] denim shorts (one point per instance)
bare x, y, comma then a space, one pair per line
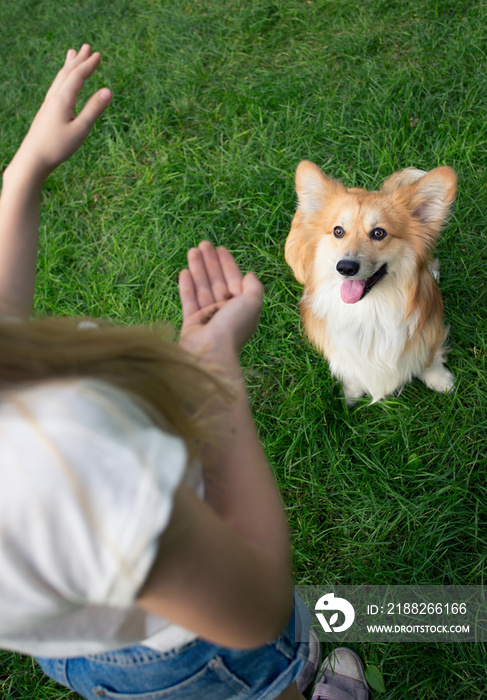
196, 671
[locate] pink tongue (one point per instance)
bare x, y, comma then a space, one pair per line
352, 291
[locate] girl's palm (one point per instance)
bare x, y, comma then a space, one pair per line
220, 305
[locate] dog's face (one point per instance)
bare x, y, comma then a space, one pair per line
361, 237
363, 241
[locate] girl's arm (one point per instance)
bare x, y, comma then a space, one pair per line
221, 309
223, 568
56, 133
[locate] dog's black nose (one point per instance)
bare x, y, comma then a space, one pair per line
347, 268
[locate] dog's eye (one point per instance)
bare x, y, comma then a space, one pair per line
338, 232
378, 234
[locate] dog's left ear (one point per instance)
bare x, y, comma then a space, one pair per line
401, 178
430, 197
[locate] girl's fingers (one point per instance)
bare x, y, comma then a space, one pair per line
72, 63
95, 106
214, 271
187, 294
213, 277
75, 58
201, 282
59, 79
253, 287
193, 315
76, 78
231, 271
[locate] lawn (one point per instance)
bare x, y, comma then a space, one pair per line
215, 103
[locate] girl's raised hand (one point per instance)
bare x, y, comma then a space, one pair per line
56, 132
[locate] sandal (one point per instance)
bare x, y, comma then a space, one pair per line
341, 677
309, 670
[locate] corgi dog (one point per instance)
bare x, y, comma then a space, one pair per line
371, 303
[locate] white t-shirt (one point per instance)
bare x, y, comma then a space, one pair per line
86, 488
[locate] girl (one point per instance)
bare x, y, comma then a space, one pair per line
144, 551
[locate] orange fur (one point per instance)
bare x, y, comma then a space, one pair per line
370, 302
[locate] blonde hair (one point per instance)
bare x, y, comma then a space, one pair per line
143, 361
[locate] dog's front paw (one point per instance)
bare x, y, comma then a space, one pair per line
439, 378
352, 394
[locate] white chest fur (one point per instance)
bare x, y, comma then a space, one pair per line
366, 343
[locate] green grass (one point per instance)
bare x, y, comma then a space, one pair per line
215, 104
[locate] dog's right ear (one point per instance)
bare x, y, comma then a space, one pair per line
314, 188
